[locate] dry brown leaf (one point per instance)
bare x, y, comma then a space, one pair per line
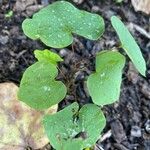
141, 5
20, 126
132, 73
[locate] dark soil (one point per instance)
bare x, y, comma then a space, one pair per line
128, 121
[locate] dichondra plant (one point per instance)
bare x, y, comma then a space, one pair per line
38, 87
55, 25
74, 127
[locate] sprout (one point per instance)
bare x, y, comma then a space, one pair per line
55, 24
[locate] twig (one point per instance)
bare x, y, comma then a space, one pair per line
106, 136
139, 29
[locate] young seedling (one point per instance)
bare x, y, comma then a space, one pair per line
47, 56
54, 25
74, 128
38, 87
104, 85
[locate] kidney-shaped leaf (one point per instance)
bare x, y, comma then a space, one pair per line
38, 87
20, 126
56, 23
47, 55
129, 45
104, 84
71, 127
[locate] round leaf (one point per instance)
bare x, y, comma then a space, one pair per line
129, 45
38, 87
56, 23
72, 127
104, 85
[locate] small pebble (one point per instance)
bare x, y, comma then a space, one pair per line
95, 9
147, 126
78, 1
70, 97
136, 131
63, 52
44, 2
3, 39
79, 76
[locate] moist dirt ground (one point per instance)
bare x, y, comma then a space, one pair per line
128, 120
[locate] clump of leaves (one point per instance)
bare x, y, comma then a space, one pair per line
39, 88
74, 127
55, 24
104, 85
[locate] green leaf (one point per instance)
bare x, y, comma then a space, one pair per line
72, 127
47, 55
129, 45
38, 87
76, 144
104, 84
9, 14
55, 24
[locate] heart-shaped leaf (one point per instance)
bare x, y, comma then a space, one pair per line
129, 45
71, 127
56, 23
20, 126
47, 55
104, 85
38, 87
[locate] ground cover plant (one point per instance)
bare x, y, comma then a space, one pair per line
40, 89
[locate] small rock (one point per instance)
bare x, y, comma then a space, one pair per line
70, 97
78, 1
32, 9
147, 126
118, 131
44, 2
108, 13
29, 6
95, 9
21, 5
141, 5
132, 74
3, 39
145, 89
136, 131
79, 76
63, 52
